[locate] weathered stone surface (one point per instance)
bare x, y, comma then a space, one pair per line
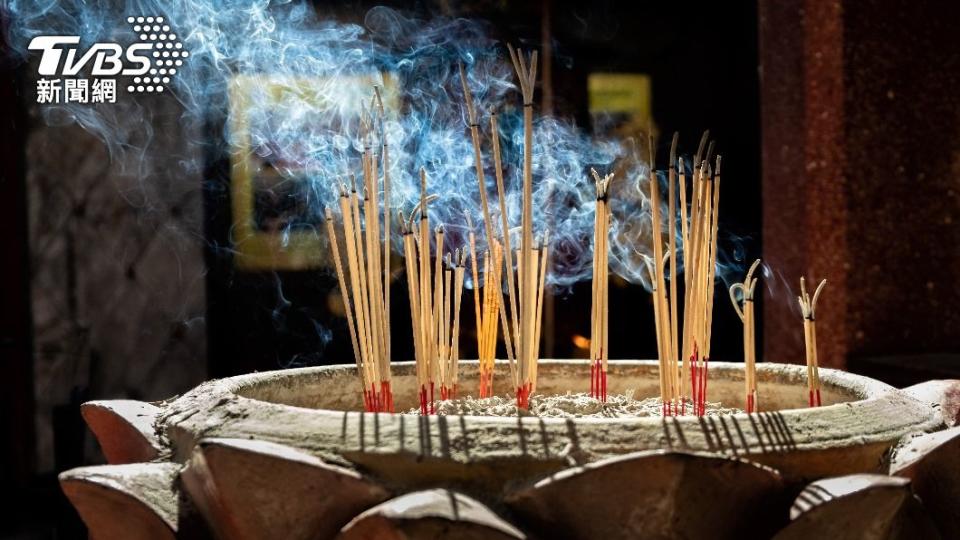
275, 454
124, 429
860, 506
932, 463
436, 513
656, 495
941, 394
257, 489
313, 409
135, 501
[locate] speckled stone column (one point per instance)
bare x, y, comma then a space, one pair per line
860, 114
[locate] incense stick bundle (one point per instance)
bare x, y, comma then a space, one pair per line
527, 270
507, 249
700, 256
366, 294
424, 305
808, 308
746, 313
448, 321
599, 349
486, 312
521, 324
662, 306
486, 318
435, 301
363, 298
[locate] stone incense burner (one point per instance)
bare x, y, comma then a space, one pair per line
286, 454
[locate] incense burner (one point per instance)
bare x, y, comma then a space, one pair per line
260, 425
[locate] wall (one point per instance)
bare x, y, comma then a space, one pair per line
860, 175
116, 253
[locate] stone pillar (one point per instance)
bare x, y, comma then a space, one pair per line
860, 109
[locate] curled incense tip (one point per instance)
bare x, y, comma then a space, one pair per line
710, 147
703, 143
379, 98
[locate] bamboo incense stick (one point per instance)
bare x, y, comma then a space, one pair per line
459, 271
426, 302
477, 159
808, 308
504, 225
599, 349
362, 294
413, 289
712, 268
746, 290
662, 308
345, 295
541, 289
527, 77
387, 223
674, 260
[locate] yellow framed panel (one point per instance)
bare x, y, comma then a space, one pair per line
257, 248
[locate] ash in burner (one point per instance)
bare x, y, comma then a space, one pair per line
569, 405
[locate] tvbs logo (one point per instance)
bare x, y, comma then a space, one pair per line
147, 64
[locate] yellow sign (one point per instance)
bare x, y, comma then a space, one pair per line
620, 93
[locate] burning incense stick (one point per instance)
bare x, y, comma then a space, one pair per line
541, 289
599, 349
746, 290
487, 341
505, 232
674, 260
477, 159
363, 298
662, 307
387, 223
527, 270
487, 316
698, 218
808, 308
448, 325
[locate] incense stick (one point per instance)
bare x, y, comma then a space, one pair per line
746, 289
362, 295
662, 317
527, 77
387, 223
505, 227
599, 346
808, 308
674, 259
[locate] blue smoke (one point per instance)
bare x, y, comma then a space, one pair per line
250, 45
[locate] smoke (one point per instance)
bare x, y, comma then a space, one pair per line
309, 136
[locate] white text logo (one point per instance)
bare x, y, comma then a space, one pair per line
148, 64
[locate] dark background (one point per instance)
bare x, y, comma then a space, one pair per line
704, 77
838, 123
